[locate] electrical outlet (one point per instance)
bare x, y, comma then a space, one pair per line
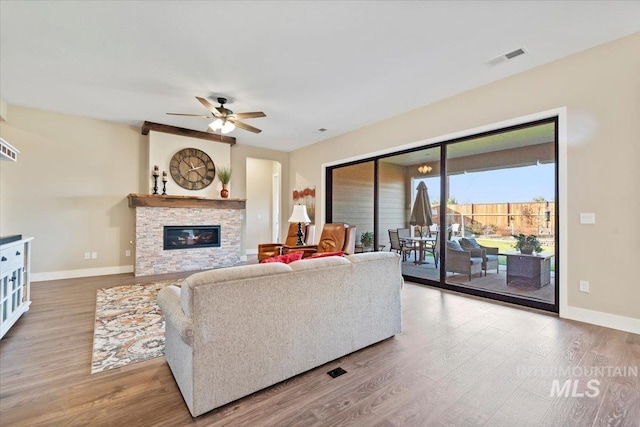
584, 286
87, 255
127, 253
94, 255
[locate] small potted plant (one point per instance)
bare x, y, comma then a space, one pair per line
367, 239
527, 244
224, 175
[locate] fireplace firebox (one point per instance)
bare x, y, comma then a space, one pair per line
191, 236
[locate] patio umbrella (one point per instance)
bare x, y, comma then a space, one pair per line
421, 212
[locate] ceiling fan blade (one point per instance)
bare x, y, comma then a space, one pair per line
253, 115
244, 126
204, 116
209, 106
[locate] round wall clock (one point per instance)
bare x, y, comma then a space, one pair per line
192, 169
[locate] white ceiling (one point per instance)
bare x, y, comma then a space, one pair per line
306, 64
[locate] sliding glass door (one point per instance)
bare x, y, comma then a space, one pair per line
455, 211
500, 186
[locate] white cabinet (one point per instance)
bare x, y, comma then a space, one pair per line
15, 272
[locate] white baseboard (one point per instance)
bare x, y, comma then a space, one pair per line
251, 252
243, 258
84, 272
599, 318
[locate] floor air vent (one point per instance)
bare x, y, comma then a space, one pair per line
504, 58
336, 372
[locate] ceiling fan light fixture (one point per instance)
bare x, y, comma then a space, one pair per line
222, 125
227, 127
216, 124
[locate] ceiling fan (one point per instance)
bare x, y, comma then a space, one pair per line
225, 120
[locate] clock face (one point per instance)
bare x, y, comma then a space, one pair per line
192, 169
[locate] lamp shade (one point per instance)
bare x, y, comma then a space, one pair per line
299, 214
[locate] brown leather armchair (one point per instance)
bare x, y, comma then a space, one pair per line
335, 237
268, 250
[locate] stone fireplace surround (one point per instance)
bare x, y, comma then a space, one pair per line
153, 212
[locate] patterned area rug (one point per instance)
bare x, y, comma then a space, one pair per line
129, 326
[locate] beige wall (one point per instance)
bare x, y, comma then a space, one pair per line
162, 147
3, 110
599, 88
69, 188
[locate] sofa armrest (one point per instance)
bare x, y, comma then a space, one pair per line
169, 301
458, 259
268, 250
476, 253
307, 250
490, 250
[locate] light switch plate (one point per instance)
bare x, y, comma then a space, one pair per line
587, 218
584, 286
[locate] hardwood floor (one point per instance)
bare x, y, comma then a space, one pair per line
459, 361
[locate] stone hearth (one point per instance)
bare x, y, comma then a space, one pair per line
154, 212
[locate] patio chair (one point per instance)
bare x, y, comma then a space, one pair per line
436, 249
400, 246
490, 254
461, 261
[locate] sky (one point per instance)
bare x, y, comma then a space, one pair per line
497, 186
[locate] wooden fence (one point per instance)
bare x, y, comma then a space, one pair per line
503, 218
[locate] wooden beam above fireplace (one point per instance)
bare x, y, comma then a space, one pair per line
148, 126
158, 201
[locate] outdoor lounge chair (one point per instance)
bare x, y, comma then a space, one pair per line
490, 254
461, 261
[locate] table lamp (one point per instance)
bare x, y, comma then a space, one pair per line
299, 215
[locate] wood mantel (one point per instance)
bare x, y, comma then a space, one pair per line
158, 201
158, 127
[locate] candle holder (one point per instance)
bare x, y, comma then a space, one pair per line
155, 184
155, 174
164, 187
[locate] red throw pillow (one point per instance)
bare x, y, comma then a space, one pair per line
324, 254
293, 256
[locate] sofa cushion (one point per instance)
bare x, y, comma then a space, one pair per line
287, 258
469, 242
324, 254
454, 245
227, 274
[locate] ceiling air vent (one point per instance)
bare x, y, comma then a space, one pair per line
8, 151
507, 56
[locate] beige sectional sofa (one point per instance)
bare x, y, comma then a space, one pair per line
233, 331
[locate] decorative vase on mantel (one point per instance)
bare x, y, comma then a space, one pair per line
224, 175
224, 193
